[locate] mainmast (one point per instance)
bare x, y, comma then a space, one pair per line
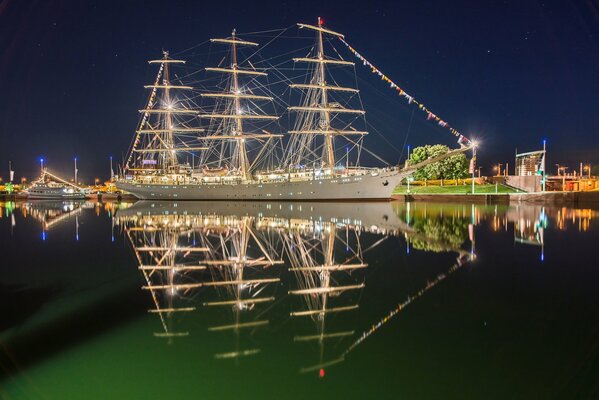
233, 116
318, 111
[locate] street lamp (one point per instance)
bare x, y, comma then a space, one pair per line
473, 162
76, 170
498, 169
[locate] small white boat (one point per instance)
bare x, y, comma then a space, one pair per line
54, 191
52, 187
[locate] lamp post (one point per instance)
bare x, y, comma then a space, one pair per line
543, 163
75, 170
111, 170
498, 169
473, 163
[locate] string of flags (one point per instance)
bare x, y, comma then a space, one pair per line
462, 140
146, 114
429, 285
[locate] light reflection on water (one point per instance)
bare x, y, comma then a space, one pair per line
248, 278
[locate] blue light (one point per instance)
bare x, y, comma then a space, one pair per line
44, 236
41, 160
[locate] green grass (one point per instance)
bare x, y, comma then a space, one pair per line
460, 189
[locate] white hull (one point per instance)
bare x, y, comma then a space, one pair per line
53, 194
55, 197
379, 185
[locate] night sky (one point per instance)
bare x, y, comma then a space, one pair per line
509, 73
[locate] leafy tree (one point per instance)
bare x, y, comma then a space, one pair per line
453, 167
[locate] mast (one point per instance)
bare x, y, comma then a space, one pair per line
329, 151
243, 162
170, 157
232, 127
157, 140
317, 114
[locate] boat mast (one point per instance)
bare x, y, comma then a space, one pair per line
156, 138
170, 158
235, 131
317, 109
329, 151
243, 162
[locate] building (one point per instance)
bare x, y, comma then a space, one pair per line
531, 163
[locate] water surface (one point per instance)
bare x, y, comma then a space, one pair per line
227, 300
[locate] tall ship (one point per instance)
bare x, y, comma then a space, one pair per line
241, 151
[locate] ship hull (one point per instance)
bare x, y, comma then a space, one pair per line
377, 186
55, 197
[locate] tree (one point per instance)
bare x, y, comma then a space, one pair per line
453, 167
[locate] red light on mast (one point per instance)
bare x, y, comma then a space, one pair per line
321, 373
320, 21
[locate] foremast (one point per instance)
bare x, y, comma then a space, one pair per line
317, 112
231, 128
164, 122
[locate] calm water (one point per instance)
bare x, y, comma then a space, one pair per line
294, 301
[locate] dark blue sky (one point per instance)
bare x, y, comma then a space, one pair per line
508, 72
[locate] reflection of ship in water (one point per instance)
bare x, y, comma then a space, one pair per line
228, 253
52, 213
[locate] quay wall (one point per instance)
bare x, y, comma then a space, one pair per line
547, 198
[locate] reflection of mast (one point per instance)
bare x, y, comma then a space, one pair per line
234, 267
166, 259
317, 273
